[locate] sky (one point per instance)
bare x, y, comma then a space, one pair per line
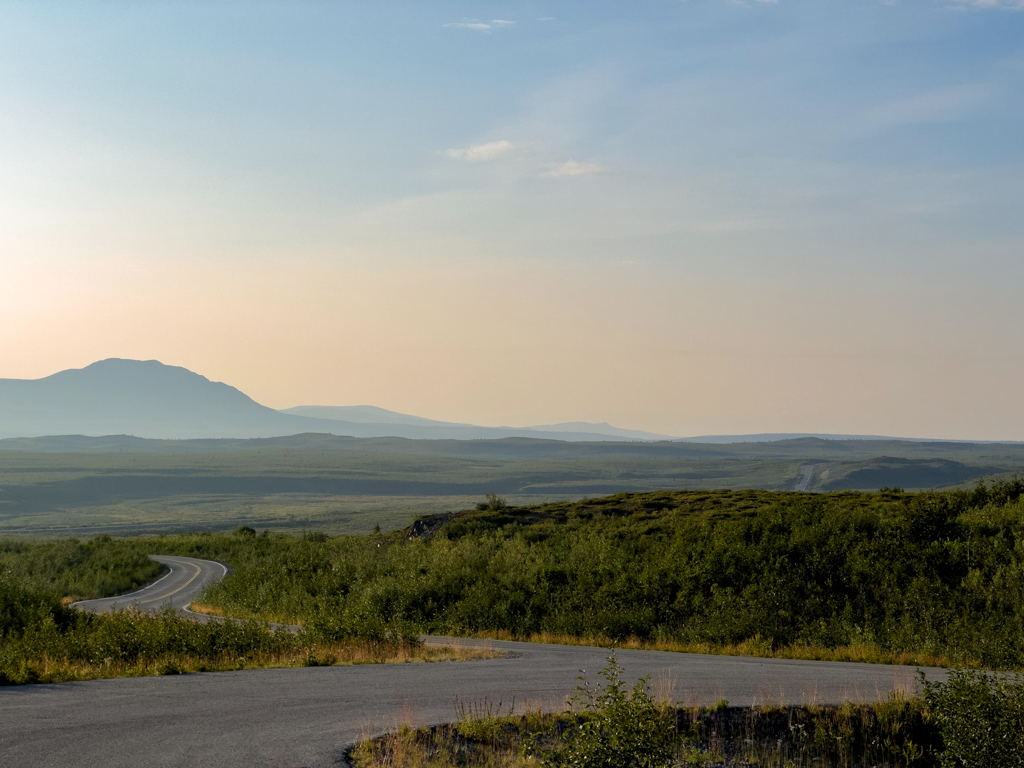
699, 217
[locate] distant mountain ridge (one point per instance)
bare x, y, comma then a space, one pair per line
140, 398
367, 414
148, 399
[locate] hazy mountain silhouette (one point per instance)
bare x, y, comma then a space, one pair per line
152, 400
141, 398
370, 414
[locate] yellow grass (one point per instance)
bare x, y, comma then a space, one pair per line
210, 610
50, 670
272, 618
861, 652
866, 653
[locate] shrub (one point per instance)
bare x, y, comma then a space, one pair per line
615, 728
494, 503
981, 719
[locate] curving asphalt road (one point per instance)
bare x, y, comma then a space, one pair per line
179, 587
305, 717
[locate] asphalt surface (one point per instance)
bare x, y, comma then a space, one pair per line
808, 470
180, 586
306, 717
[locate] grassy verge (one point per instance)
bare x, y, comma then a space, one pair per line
270, 617
757, 647
973, 720
892, 733
59, 670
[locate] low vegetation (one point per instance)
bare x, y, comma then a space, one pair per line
971, 721
922, 578
928, 578
42, 640
82, 486
76, 570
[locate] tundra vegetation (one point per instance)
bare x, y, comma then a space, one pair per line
974, 720
927, 578
81, 486
44, 639
919, 578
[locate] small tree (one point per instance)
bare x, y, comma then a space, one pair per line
494, 502
614, 728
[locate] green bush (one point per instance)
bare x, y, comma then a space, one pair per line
493, 502
102, 567
37, 626
981, 718
615, 728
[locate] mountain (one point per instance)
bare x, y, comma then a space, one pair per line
141, 398
152, 400
773, 437
369, 414
604, 428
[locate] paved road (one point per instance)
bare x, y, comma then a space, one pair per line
808, 470
290, 718
180, 586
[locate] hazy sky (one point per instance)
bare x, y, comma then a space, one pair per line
688, 217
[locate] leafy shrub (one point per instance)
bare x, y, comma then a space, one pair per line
616, 728
102, 567
981, 719
493, 502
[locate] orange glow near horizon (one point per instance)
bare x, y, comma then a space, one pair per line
501, 342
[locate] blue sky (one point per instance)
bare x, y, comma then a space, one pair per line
720, 216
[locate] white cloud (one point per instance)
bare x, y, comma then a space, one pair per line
573, 168
480, 26
476, 153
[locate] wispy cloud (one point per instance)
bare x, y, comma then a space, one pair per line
945, 105
480, 26
1005, 5
573, 168
476, 153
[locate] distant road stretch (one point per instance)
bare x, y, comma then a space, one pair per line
808, 470
187, 577
305, 717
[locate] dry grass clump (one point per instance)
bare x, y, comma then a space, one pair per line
47, 669
862, 652
481, 737
274, 619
